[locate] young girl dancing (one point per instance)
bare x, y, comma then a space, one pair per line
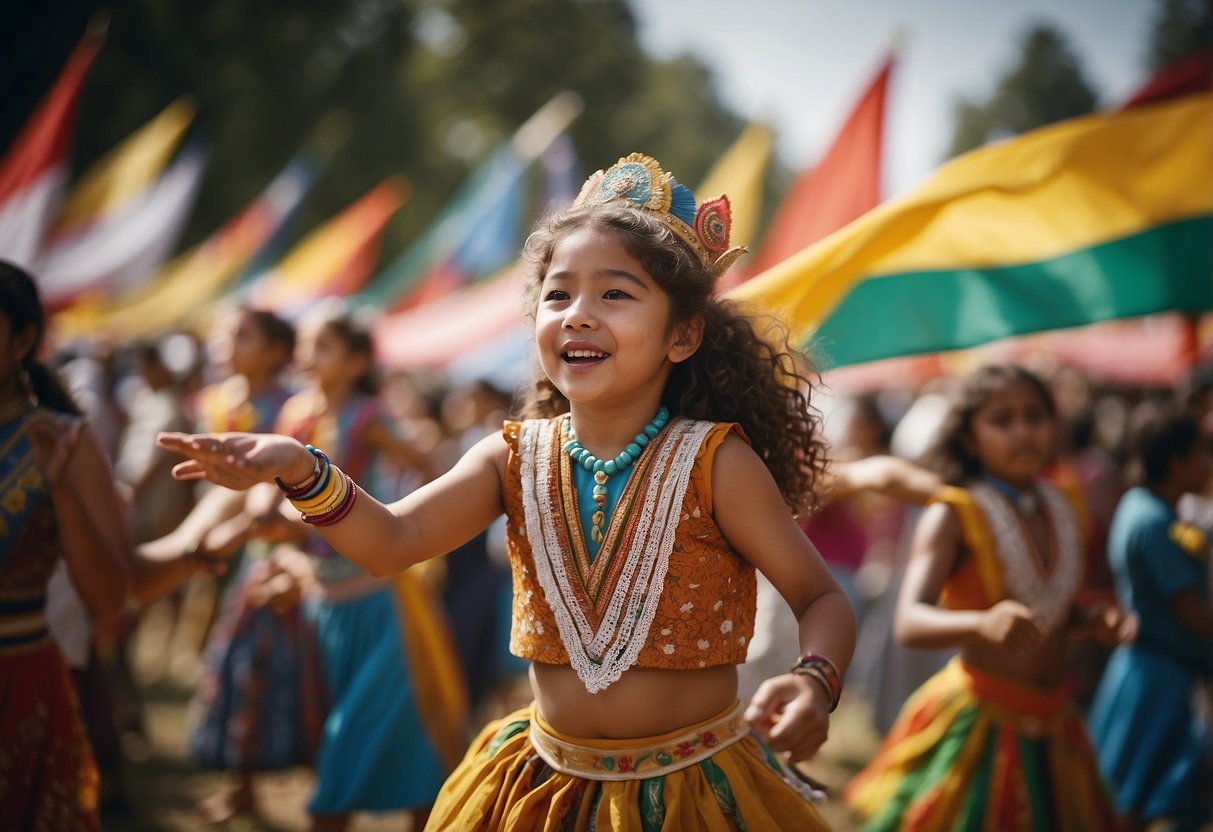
667, 440
392, 731
57, 499
992, 741
1143, 721
247, 715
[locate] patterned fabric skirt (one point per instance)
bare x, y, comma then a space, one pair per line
256, 708
520, 775
972, 751
1148, 736
48, 778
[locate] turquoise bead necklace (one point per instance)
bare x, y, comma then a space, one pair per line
604, 469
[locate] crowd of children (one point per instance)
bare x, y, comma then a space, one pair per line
627, 544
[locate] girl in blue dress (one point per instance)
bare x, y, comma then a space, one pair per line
1147, 734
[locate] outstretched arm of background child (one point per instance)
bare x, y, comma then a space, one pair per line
383, 539
210, 534
791, 712
921, 623
400, 451
884, 474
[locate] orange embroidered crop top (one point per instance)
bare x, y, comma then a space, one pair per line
1001, 560
665, 589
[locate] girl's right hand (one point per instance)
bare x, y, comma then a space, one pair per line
239, 460
1012, 626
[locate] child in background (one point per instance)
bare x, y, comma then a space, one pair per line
394, 726
992, 741
1147, 734
668, 439
57, 499
248, 714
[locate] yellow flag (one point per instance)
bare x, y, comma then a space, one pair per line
128, 169
739, 174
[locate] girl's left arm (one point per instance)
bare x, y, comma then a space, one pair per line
88, 511
790, 711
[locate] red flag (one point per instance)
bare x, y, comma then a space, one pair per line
34, 171
844, 184
1186, 76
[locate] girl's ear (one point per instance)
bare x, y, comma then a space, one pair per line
688, 335
23, 342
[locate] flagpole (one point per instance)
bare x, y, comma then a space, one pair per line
539, 131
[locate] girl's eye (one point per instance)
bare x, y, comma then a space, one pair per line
615, 294
556, 294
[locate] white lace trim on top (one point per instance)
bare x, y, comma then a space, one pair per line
600, 657
1048, 594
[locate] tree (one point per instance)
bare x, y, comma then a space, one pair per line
376, 87
1045, 86
1180, 28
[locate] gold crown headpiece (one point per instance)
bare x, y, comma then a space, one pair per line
639, 181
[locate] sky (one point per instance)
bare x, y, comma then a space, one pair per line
800, 65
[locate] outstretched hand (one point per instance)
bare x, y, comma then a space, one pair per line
791, 713
238, 460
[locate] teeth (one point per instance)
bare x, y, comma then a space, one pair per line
585, 354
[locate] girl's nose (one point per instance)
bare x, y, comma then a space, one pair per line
578, 316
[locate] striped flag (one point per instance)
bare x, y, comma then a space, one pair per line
1096, 218
122, 249
333, 260
184, 291
33, 173
127, 171
478, 231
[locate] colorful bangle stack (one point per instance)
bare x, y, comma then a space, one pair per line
326, 497
823, 670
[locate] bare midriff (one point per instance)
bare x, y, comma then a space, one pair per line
643, 703
1043, 667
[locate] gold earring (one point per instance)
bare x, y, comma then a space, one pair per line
27, 383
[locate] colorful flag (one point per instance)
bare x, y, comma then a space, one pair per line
478, 232
480, 210
740, 173
1095, 218
335, 259
842, 186
127, 171
185, 290
124, 248
1110, 350
34, 171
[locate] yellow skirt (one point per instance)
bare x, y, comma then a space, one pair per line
712, 776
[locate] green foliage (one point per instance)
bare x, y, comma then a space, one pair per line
1046, 85
1180, 28
420, 88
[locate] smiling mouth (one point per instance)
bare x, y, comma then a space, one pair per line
584, 356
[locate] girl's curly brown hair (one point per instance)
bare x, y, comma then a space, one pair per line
744, 371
